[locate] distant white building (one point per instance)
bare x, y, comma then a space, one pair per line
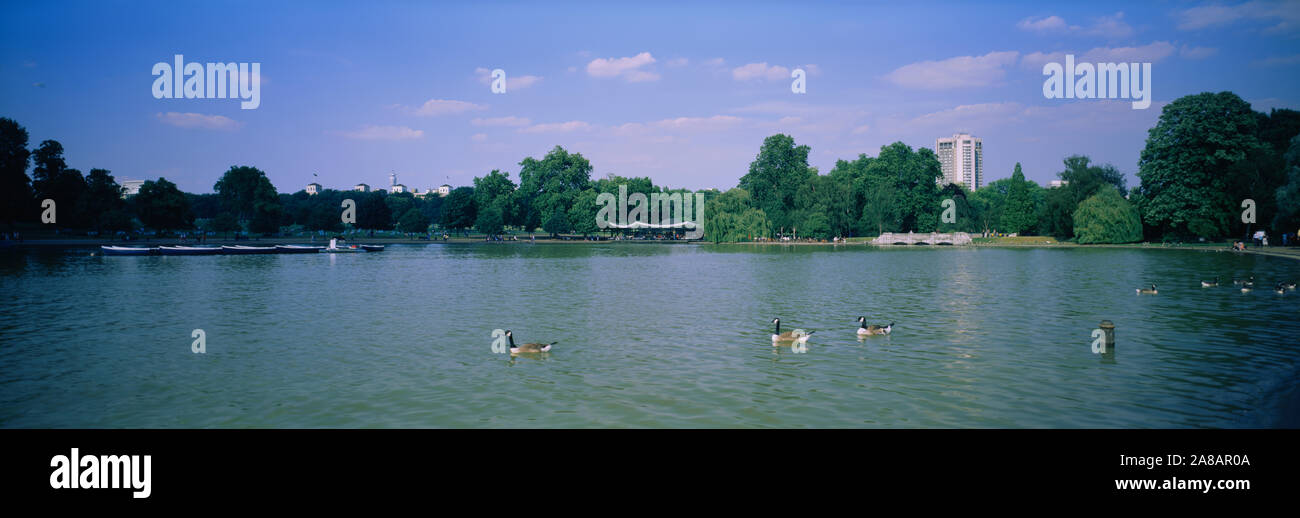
361, 187
131, 187
444, 190
961, 157
1057, 183
393, 186
314, 188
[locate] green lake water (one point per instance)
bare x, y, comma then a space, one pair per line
649, 336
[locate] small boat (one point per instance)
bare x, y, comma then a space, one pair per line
373, 248
127, 250
334, 248
189, 250
298, 249
242, 249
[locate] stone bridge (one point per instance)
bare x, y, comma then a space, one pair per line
931, 238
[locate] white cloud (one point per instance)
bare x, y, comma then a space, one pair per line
958, 72
556, 127
478, 137
698, 123
1150, 53
630, 68
1197, 52
1112, 26
1147, 53
678, 62
1046, 24
969, 116
512, 82
861, 129
715, 62
370, 132
1280, 16
198, 120
1036, 60
760, 71
501, 121
1109, 27
1280, 60
435, 107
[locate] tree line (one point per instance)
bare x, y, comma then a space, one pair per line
1207, 155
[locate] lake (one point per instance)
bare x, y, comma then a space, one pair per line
650, 335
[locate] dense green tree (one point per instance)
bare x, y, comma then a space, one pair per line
548, 187
47, 163
732, 216
459, 211
494, 186
965, 218
491, 218
1019, 214
103, 204
53, 179
249, 194
161, 206
775, 176
414, 222
1081, 180
915, 175
373, 212
225, 223
986, 206
557, 222
207, 206
1185, 191
1287, 218
879, 207
1107, 217
16, 199
582, 216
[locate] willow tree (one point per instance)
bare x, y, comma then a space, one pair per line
1107, 217
732, 216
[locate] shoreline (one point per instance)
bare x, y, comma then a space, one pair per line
1289, 252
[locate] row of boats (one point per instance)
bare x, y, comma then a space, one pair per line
236, 249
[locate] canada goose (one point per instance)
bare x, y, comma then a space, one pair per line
788, 336
1245, 288
1239, 282
527, 348
1151, 291
873, 329
1245, 282
1289, 285
1280, 289
1210, 284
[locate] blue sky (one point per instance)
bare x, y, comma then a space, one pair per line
680, 92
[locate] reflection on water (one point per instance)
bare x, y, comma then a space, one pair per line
649, 335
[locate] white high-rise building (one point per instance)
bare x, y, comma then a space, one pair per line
961, 157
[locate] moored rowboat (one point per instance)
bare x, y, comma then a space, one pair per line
127, 250
373, 248
243, 249
189, 250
